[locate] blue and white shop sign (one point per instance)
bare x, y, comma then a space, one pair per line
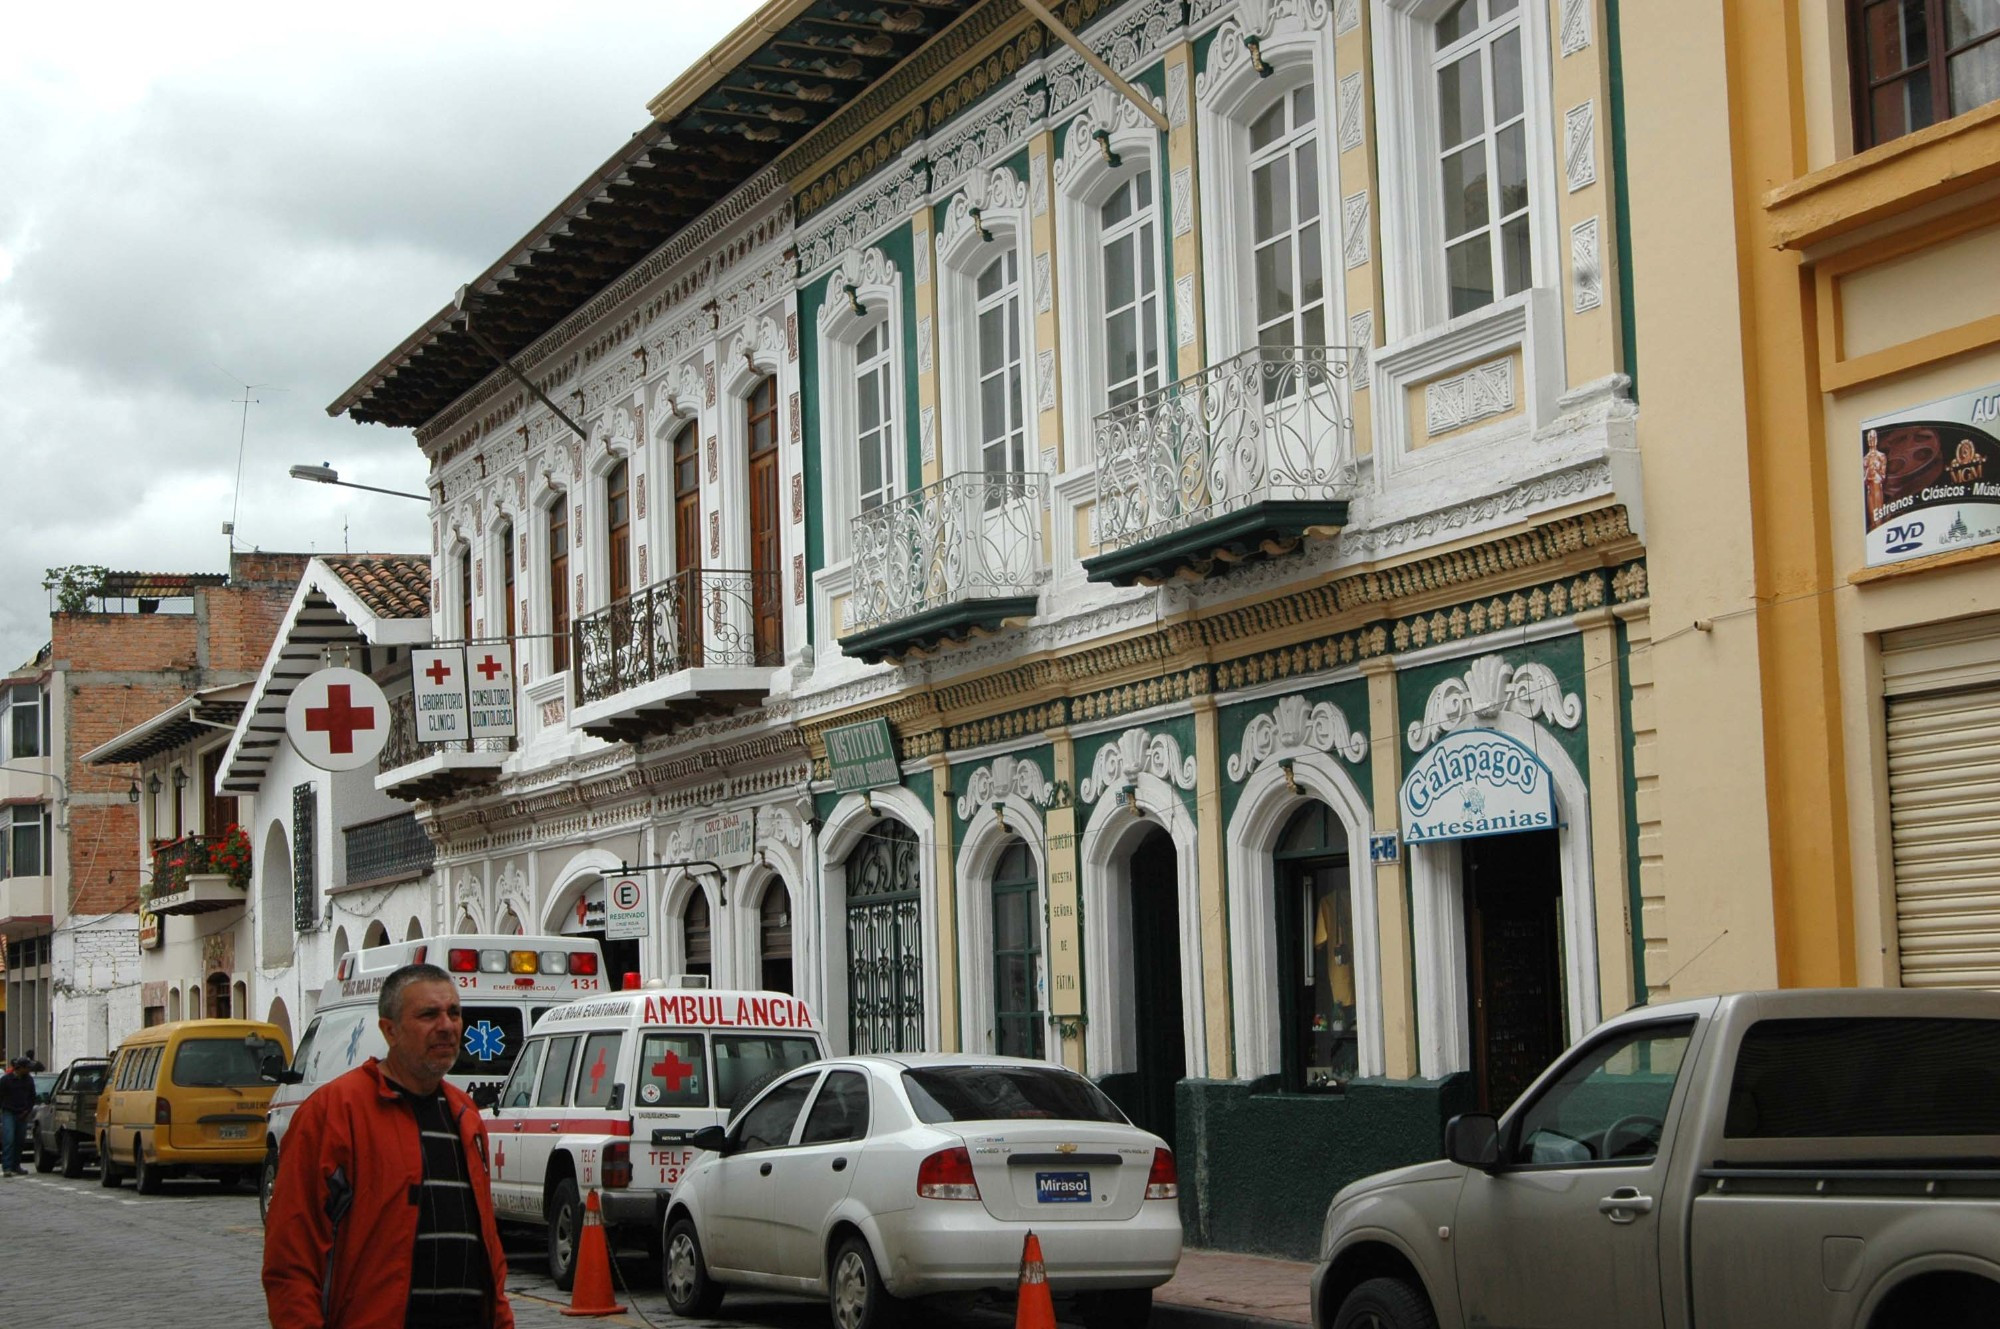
1476, 782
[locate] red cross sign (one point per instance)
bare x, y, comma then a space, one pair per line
438, 672
596, 1071
673, 1070
491, 667
338, 719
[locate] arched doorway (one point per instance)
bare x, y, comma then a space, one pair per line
340, 946
885, 949
275, 909
1513, 960
698, 936
218, 996
281, 1017
377, 935
774, 937
1017, 953
1316, 951
1156, 982
415, 932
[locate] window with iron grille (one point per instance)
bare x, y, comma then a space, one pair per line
305, 870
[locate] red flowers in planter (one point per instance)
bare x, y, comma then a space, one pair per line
229, 853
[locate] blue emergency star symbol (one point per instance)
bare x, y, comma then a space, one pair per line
485, 1040
354, 1041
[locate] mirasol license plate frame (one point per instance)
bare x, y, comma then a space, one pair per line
1062, 1188
233, 1131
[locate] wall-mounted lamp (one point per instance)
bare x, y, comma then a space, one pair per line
1291, 780
180, 779
132, 794
854, 299
1255, 46
153, 784
1103, 137
979, 225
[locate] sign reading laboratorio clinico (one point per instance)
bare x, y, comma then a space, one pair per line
463, 692
1930, 477
1476, 782
863, 756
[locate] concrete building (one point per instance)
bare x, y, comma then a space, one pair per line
1814, 230
34, 857
1150, 564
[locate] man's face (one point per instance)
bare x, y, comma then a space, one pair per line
426, 1035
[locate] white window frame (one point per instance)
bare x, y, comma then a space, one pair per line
878, 290
1481, 42
962, 255
1230, 95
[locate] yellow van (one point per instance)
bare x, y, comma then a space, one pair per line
188, 1098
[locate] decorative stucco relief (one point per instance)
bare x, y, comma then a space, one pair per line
1003, 776
1137, 752
1297, 725
1491, 686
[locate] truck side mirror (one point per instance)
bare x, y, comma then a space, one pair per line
1472, 1139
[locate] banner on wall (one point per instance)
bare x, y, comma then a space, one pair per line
1476, 782
587, 914
1930, 477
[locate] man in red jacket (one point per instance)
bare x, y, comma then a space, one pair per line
382, 1213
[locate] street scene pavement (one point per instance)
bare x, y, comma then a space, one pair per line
188, 1258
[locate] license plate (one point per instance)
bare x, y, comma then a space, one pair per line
1062, 1188
234, 1132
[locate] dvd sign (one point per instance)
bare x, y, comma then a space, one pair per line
1476, 782
1930, 477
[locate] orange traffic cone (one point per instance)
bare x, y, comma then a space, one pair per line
590, 1293
1036, 1309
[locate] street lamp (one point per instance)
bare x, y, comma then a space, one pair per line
326, 475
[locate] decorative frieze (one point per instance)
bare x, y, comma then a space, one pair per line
1575, 26
1468, 397
880, 208
1004, 776
985, 137
1490, 686
1137, 752
1354, 228
1293, 725
1586, 269
1580, 145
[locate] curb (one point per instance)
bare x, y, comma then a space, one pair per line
1168, 1315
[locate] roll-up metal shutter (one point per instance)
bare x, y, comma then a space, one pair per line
1943, 686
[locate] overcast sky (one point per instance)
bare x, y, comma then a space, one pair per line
195, 197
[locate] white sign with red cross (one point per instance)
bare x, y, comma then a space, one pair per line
624, 909
338, 719
490, 674
438, 691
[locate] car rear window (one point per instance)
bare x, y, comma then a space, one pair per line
1005, 1093
215, 1062
1815, 1079
744, 1061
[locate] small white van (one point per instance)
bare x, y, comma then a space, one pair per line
504, 983
606, 1092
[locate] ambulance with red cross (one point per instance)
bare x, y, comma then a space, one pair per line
607, 1090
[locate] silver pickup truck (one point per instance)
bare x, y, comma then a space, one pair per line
1821, 1158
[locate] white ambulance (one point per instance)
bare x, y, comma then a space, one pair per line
606, 1092
504, 983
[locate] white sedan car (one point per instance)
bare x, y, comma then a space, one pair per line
873, 1179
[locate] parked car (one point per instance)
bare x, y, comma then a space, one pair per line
188, 1098
1771, 1159
64, 1128
44, 1081
873, 1179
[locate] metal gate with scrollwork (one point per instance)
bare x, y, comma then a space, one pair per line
885, 947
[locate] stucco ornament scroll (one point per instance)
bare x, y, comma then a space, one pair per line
1003, 776
778, 825
1294, 725
1137, 752
761, 345
470, 900
681, 395
1490, 687
991, 192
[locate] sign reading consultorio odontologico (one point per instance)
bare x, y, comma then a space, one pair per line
863, 756
1476, 782
1930, 477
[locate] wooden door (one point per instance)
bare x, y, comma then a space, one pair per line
218, 810
764, 556
687, 544
1513, 948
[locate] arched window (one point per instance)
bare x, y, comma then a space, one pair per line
698, 935
1130, 232
618, 532
377, 935
885, 948
465, 594
559, 583
774, 938
506, 558
1316, 997
1017, 954
1002, 364
765, 555
414, 932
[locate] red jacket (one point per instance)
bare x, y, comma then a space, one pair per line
342, 1226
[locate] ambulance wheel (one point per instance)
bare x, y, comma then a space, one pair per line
109, 1174
691, 1293
145, 1176
565, 1231
859, 1301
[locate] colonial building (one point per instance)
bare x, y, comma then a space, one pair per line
1144, 527
1815, 240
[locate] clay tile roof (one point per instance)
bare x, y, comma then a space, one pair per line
391, 585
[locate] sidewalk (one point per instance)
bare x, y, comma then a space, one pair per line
1217, 1288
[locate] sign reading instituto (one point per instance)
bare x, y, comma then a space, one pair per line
863, 756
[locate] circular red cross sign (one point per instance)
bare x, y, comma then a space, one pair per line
338, 719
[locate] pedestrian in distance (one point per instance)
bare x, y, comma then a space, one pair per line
381, 1216
17, 1100
34, 1062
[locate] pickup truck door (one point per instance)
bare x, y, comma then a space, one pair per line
1565, 1231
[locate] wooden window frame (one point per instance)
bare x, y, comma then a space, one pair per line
1937, 62
618, 532
558, 524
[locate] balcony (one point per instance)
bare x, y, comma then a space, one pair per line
954, 559
1237, 463
200, 873
413, 770
388, 849
25, 900
702, 642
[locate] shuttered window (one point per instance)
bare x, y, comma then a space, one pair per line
1943, 686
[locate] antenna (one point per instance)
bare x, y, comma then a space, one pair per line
242, 437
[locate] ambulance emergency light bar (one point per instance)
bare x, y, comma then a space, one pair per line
465, 960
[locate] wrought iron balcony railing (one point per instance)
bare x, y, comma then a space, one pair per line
402, 747
389, 848
1270, 426
959, 547
701, 618
197, 873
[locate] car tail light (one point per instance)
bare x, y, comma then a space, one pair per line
1164, 1182
617, 1169
163, 1112
947, 1175
463, 960
582, 962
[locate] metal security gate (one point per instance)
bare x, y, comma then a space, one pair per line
885, 945
1943, 686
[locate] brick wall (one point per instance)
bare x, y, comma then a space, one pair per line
101, 642
103, 840
244, 616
